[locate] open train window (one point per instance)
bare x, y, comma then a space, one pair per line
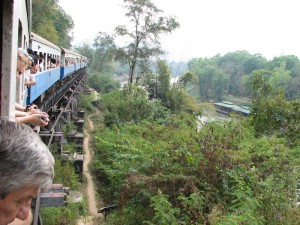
24, 42
20, 34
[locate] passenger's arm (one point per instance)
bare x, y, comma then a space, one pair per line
20, 113
30, 83
20, 107
34, 119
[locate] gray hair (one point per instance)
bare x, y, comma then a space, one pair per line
24, 158
23, 56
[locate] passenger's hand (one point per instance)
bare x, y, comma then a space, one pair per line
37, 116
32, 83
33, 109
39, 119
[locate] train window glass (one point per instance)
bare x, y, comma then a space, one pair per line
20, 34
20, 83
44, 62
25, 43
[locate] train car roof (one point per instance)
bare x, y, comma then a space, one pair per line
69, 53
43, 41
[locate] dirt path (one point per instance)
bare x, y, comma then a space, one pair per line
90, 188
87, 158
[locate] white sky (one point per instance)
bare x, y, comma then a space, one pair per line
207, 27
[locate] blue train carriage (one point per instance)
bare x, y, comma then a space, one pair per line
71, 61
16, 20
84, 62
49, 72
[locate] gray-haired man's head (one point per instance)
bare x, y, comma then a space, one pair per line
24, 159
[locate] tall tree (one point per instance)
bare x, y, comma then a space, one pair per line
105, 47
293, 90
163, 81
280, 77
102, 83
220, 84
63, 25
149, 80
269, 106
292, 63
86, 50
271, 112
146, 26
236, 65
187, 77
51, 22
254, 62
247, 80
212, 81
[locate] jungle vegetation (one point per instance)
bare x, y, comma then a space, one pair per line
159, 168
151, 161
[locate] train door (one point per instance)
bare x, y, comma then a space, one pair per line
8, 56
15, 20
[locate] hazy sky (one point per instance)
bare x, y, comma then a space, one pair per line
207, 27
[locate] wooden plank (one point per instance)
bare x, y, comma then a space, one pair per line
50, 199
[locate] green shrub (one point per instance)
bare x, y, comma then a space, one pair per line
65, 215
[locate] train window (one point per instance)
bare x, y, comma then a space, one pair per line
20, 34
25, 43
44, 61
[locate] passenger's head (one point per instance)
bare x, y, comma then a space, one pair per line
41, 59
34, 65
53, 61
26, 165
30, 51
23, 61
